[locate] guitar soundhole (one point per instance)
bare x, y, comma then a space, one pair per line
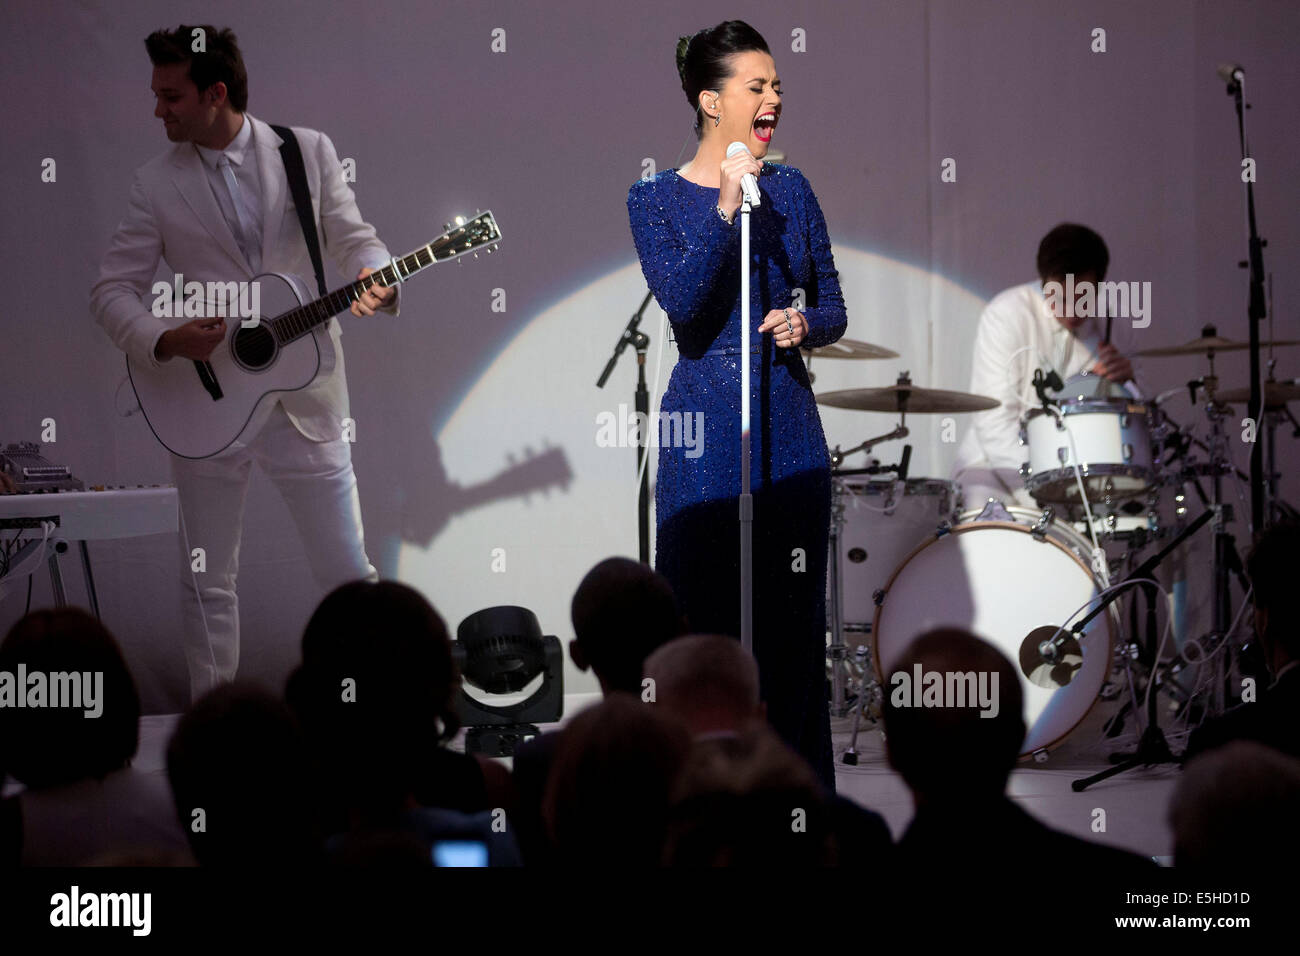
254, 348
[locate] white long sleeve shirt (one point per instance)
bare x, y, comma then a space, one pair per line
1017, 334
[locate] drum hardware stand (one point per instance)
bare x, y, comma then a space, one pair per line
837, 650
1226, 558
871, 692
1152, 746
900, 431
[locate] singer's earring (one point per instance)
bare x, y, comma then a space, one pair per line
717, 119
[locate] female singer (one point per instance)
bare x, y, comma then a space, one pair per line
684, 223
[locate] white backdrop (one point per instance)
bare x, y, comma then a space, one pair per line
451, 398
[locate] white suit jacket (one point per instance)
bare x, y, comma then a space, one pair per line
174, 216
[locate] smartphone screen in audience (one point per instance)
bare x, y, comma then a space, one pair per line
460, 853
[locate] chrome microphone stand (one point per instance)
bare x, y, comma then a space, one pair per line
746, 497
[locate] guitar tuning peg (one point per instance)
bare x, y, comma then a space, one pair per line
497, 246
476, 255
446, 227
488, 250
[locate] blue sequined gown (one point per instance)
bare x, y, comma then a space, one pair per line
690, 258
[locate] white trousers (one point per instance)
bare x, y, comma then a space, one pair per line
317, 483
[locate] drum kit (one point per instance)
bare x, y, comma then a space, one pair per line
1112, 477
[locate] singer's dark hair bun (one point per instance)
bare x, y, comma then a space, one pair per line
704, 60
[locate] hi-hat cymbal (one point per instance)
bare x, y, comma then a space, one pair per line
1275, 393
1207, 343
851, 349
907, 398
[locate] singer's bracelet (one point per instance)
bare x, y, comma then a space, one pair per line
723, 216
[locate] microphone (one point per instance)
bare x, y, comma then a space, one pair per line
1048, 659
1044, 382
748, 184
1231, 72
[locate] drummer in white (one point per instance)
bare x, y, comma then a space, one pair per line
1021, 330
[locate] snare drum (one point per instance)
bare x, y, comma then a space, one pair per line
882, 522
1113, 446
1002, 580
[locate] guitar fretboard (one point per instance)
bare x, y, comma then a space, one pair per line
480, 231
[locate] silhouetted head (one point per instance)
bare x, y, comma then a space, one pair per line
237, 764
376, 689
608, 790
1234, 810
622, 611
64, 653
706, 680
748, 800
949, 752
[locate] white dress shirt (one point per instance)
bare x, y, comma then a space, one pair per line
250, 187
1017, 334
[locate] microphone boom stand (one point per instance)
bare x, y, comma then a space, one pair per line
633, 335
1152, 746
1256, 312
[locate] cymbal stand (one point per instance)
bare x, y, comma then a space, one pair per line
899, 431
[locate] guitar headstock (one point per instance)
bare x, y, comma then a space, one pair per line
464, 236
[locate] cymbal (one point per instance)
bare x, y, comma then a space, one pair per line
1275, 393
851, 349
908, 398
1206, 344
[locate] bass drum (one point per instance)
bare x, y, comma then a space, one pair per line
1002, 580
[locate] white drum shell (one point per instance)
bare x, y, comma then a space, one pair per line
1000, 581
883, 522
1113, 447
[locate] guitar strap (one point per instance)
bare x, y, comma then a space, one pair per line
297, 174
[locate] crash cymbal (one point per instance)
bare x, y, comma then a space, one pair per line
1275, 393
851, 349
907, 398
1209, 342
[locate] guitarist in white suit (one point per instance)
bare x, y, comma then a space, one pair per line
216, 207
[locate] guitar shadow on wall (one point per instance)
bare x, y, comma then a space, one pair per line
414, 503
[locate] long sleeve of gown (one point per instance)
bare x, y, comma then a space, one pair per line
684, 262
825, 312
